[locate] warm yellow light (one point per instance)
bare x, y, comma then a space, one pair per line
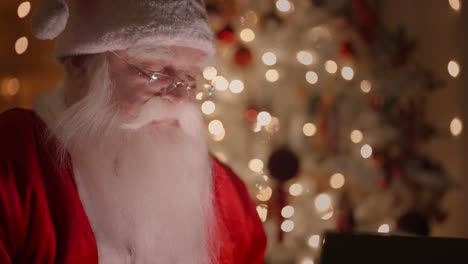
250, 18
269, 58
322, 202
272, 75
263, 118
385, 228
215, 127
23, 9
264, 194
366, 151
337, 180
287, 226
456, 126
296, 189
455, 4
220, 136
314, 241
21, 45
347, 73
208, 107
220, 83
287, 211
209, 73
453, 68
199, 96
307, 261
356, 136
10, 87
247, 35
262, 212
309, 129
311, 77
236, 86
331, 66
283, 5
366, 86
256, 165
327, 216
304, 57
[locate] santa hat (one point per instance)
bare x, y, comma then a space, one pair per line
94, 26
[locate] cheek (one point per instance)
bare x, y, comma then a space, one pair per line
127, 88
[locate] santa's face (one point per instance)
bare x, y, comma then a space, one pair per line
140, 159
141, 74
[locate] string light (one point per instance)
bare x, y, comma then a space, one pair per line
220, 136
215, 127
337, 181
24, 9
250, 18
455, 4
356, 136
287, 211
327, 216
385, 228
304, 57
453, 68
220, 83
287, 225
264, 194
296, 189
269, 58
236, 86
322, 202
331, 66
309, 129
366, 151
199, 96
366, 86
21, 45
247, 35
311, 77
272, 75
263, 118
314, 241
256, 165
456, 126
208, 107
347, 73
10, 87
209, 73
262, 212
284, 5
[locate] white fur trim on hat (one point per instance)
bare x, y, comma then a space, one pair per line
50, 19
96, 26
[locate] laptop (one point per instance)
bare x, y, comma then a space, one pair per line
370, 248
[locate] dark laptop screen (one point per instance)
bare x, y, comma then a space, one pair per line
363, 248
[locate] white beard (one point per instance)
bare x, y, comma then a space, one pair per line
147, 189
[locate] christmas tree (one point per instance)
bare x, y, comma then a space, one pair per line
320, 110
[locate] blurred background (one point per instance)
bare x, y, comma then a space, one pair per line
339, 115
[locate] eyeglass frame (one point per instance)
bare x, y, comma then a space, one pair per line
152, 77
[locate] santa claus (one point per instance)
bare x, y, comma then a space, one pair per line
112, 166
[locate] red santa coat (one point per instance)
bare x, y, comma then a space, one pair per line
42, 219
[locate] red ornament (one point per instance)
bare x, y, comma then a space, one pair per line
347, 50
243, 56
226, 35
251, 115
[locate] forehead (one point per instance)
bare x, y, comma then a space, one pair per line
176, 56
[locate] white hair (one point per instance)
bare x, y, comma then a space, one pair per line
147, 189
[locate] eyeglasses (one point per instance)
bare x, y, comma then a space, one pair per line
189, 85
